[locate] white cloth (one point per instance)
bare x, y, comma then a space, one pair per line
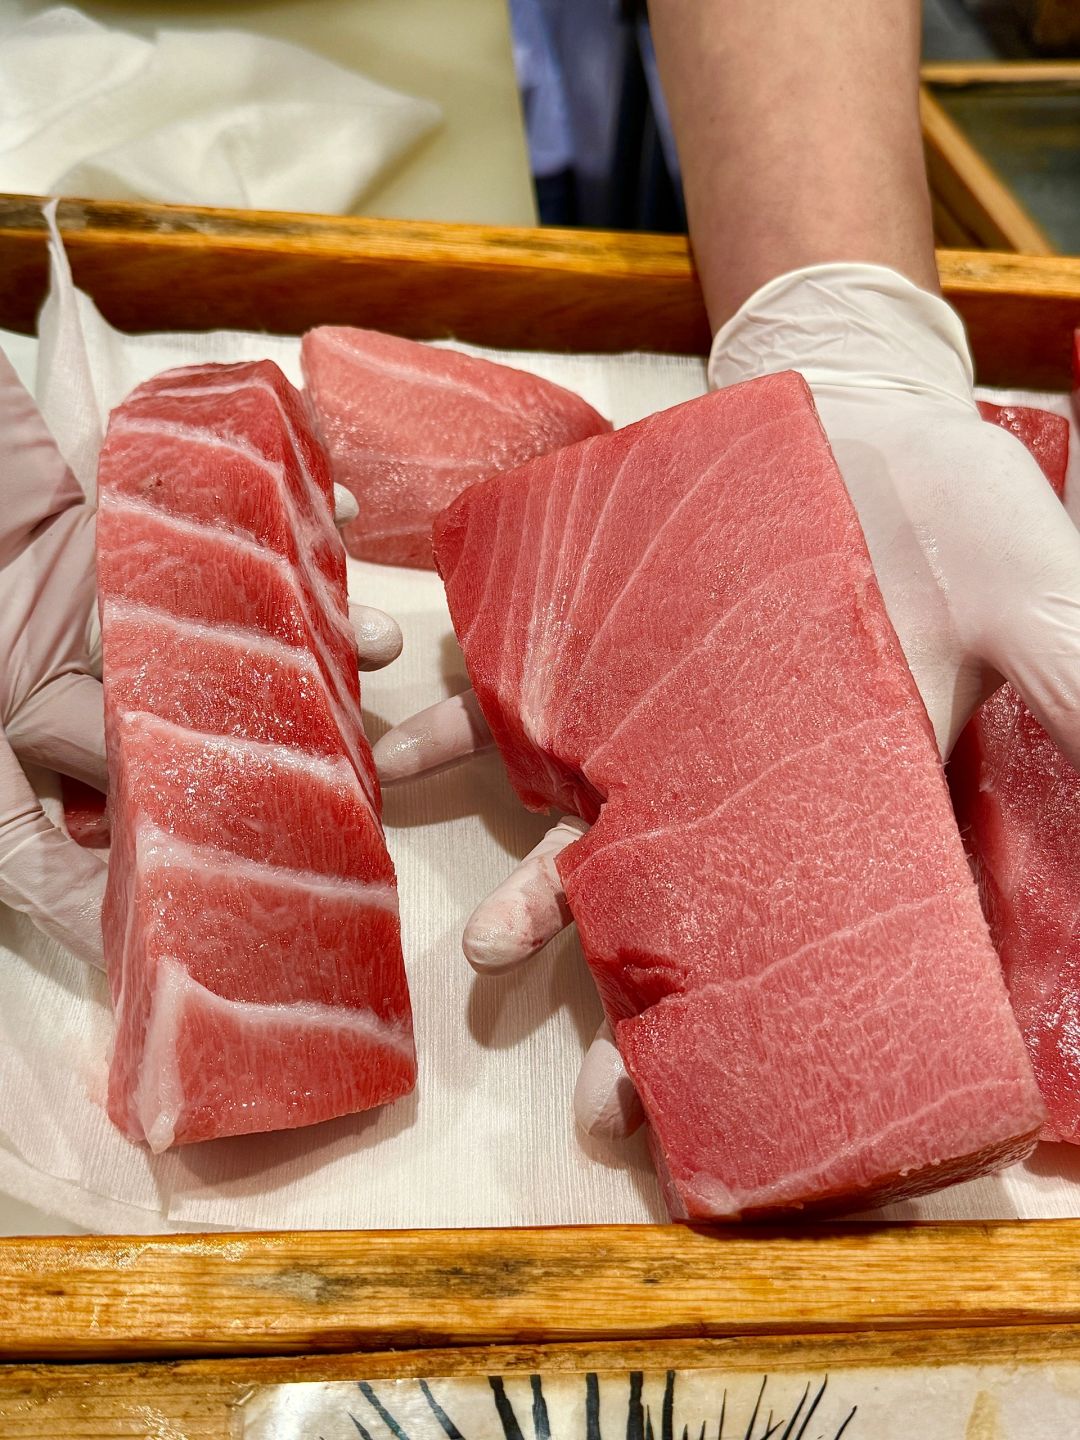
192, 118
490, 1137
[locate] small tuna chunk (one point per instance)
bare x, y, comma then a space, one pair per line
408, 427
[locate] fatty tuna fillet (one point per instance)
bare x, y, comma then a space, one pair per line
408, 427
675, 632
1017, 800
250, 920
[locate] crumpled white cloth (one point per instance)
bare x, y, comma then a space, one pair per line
192, 117
489, 1138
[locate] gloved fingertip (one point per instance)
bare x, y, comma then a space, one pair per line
606, 1104
491, 947
398, 754
441, 735
345, 506
378, 636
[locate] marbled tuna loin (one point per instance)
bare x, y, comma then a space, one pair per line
675, 631
408, 427
250, 919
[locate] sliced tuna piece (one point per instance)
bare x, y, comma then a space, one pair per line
408, 427
1017, 800
773, 898
250, 919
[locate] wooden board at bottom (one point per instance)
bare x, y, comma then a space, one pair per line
975, 1384
183, 1295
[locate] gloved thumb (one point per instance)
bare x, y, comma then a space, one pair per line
45, 875
1033, 634
606, 1105
1039, 652
62, 727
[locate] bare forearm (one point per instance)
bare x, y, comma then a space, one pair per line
798, 133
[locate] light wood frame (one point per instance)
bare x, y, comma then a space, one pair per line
973, 207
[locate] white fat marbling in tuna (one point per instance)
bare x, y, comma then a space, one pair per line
250, 920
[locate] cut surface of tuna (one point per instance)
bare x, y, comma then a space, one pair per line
85, 814
1017, 801
773, 898
250, 919
408, 427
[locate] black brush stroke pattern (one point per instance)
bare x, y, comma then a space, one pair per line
592, 1406
639, 1422
448, 1427
541, 1424
507, 1418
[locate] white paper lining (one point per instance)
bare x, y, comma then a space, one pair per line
488, 1138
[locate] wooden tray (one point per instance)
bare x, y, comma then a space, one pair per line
169, 267
983, 162
251, 1311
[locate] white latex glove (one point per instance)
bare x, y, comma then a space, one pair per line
977, 562
51, 710
50, 704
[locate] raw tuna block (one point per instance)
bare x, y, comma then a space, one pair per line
773, 898
250, 920
408, 427
1017, 800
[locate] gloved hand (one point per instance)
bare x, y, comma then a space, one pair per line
51, 708
977, 561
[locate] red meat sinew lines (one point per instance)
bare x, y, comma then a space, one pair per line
693, 656
686, 827
159, 1094
319, 499
160, 849
773, 899
745, 444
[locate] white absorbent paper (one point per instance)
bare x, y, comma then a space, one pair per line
192, 117
488, 1138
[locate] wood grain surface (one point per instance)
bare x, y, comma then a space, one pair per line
201, 1399
1048, 75
971, 189
88, 1297
1020, 311
165, 267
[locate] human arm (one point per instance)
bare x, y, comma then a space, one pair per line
797, 128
